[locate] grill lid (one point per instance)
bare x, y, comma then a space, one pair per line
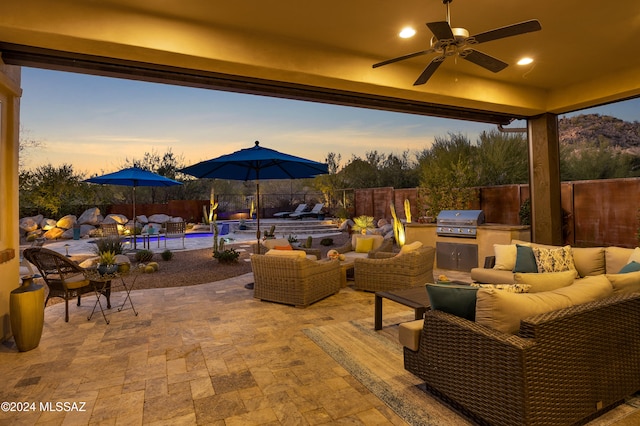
461, 217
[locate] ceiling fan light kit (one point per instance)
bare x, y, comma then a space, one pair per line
448, 41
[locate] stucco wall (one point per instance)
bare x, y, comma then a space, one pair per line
9, 238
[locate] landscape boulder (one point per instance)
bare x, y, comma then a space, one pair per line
159, 218
120, 219
67, 222
87, 230
29, 224
47, 224
90, 217
54, 234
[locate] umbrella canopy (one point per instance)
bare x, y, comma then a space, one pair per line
133, 176
257, 163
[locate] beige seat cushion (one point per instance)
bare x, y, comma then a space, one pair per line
272, 243
589, 260
625, 283
505, 256
616, 258
287, 253
545, 281
503, 311
409, 334
407, 248
492, 276
71, 281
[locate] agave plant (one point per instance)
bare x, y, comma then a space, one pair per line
362, 223
107, 258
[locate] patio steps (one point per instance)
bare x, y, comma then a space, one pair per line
286, 227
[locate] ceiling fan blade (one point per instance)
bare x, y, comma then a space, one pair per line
484, 60
441, 29
429, 70
508, 31
402, 58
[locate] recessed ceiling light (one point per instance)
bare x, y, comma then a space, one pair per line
525, 61
407, 32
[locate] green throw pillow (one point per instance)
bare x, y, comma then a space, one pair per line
459, 300
630, 267
525, 260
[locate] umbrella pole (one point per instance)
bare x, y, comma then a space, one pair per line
258, 213
135, 238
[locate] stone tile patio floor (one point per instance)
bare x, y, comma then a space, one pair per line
208, 354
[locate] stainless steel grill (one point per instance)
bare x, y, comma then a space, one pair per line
459, 223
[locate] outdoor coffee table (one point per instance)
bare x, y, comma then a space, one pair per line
414, 297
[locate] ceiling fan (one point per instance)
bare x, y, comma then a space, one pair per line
448, 41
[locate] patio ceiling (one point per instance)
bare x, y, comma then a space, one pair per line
584, 55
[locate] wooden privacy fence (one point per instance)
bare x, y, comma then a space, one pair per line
596, 212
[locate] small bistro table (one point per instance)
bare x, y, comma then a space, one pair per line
102, 287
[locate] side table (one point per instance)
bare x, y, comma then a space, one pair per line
345, 267
102, 286
415, 297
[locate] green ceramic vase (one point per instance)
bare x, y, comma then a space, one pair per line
27, 314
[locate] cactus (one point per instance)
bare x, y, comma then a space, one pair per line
209, 216
205, 215
407, 210
395, 221
309, 241
398, 228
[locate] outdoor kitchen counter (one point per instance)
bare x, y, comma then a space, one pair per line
488, 234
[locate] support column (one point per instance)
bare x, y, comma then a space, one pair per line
544, 179
10, 93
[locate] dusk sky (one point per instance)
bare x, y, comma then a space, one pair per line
95, 123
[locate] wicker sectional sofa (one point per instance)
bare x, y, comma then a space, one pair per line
588, 261
562, 368
563, 352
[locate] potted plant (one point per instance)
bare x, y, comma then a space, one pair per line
107, 263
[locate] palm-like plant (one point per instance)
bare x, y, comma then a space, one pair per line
362, 223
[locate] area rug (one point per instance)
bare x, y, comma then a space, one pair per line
375, 359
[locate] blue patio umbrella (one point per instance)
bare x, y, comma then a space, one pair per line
257, 163
134, 177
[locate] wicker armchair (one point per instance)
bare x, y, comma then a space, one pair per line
564, 367
64, 277
294, 281
390, 271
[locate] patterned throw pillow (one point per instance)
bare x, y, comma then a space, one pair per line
555, 259
511, 288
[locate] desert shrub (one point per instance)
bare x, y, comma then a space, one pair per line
167, 255
144, 256
227, 256
326, 242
